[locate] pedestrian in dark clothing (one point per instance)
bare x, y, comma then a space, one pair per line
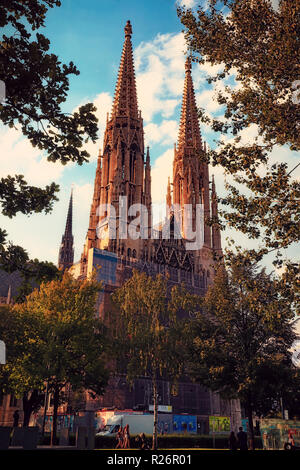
233, 445
142, 442
242, 439
16, 417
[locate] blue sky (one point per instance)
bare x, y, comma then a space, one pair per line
91, 33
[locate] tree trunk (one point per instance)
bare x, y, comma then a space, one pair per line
250, 423
29, 405
155, 405
45, 409
54, 422
26, 410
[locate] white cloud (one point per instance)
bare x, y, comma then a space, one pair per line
275, 4
161, 170
159, 74
83, 195
206, 99
18, 156
187, 3
164, 133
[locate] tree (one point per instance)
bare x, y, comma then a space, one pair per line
260, 46
23, 373
33, 273
36, 85
148, 330
242, 336
68, 345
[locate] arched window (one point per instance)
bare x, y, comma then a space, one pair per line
133, 253
129, 253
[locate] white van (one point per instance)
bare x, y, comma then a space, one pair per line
137, 424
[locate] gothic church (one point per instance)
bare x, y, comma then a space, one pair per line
123, 170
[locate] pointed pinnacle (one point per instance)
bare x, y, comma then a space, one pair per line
125, 99
128, 29
68, 229
189, 131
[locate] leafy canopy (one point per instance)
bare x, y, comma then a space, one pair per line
55, 337
37, 84
243, 334
260, 47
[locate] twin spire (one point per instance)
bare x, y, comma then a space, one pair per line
124, 153
125, 99
189, 131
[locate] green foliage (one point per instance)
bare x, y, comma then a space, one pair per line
23, 370
16, 196
73, 337
242, 338
149, 327
55, 337
15, 258
34, 272
261, 46
36, 84
149, 330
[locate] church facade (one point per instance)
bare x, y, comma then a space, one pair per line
123, 181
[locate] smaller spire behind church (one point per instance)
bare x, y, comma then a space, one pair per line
66, 250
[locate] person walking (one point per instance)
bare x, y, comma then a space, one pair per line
120, 439
142, 442
233, 444
126, 444
242, 439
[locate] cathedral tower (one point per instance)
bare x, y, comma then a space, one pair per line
191, 174
122, 170
66, 250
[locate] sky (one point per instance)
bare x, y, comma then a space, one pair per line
91, 34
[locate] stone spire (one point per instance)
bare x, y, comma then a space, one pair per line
190, 170
66, 250
125, 99
122, 170
189, 132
